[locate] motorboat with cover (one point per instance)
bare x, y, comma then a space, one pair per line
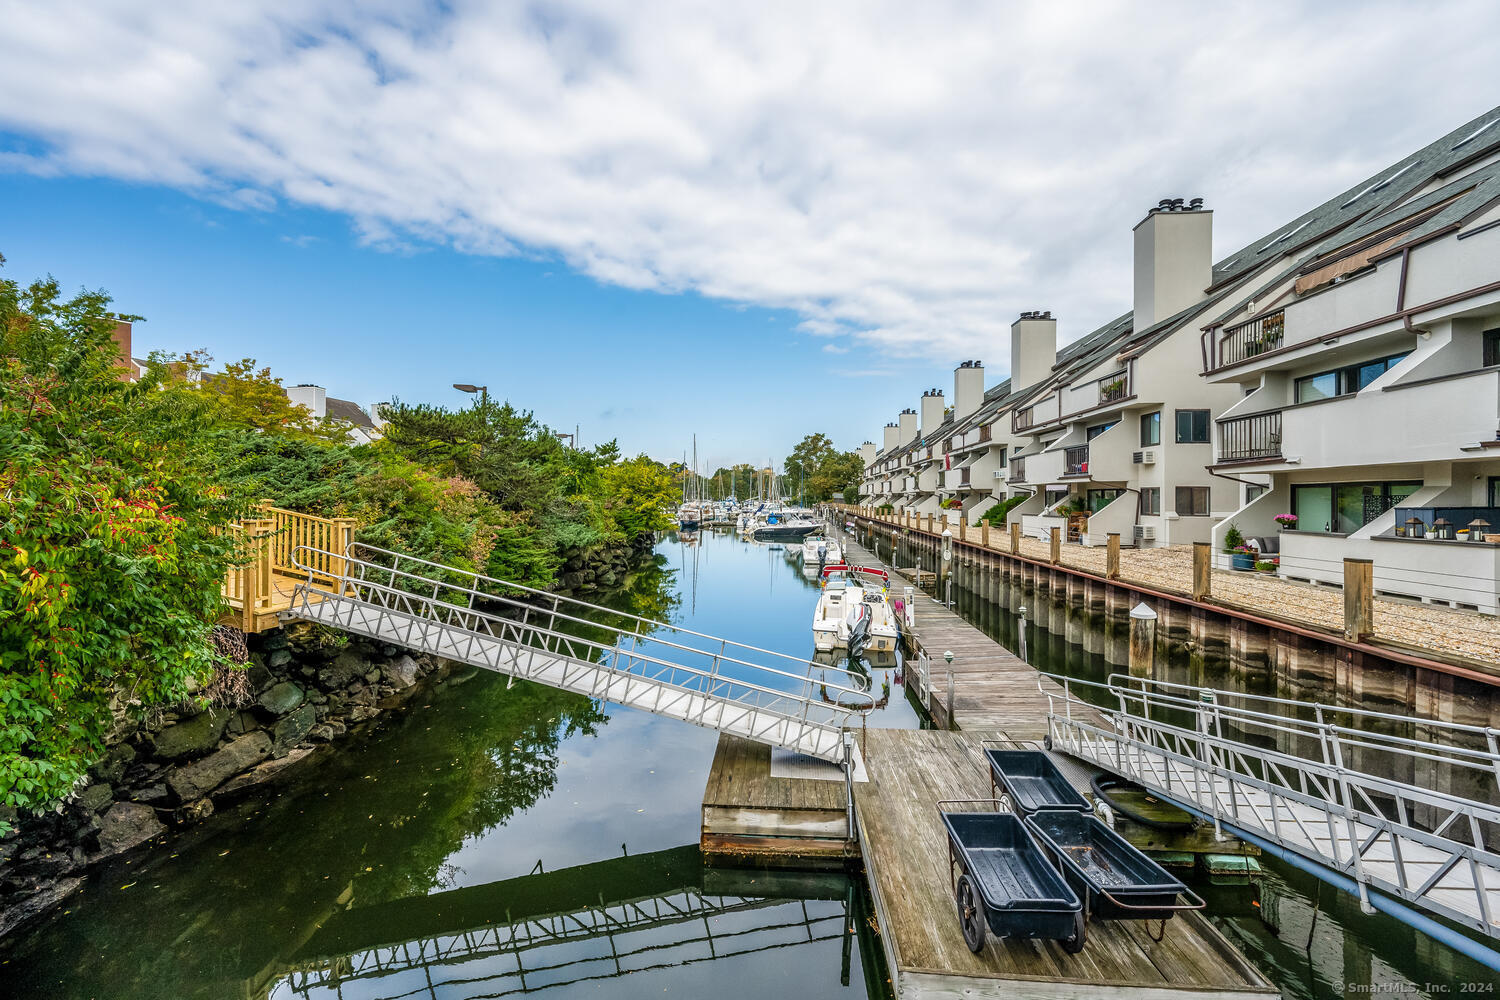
820, 551
853, 611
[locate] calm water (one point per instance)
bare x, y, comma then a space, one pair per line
487, 841
491, 841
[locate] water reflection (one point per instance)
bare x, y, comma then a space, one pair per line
456, 799
636, 917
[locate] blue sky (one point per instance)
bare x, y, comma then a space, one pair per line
659, 218
297, 290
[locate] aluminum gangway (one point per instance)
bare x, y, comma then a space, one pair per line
1394, 804
572, 645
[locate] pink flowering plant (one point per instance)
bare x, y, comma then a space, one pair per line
1285, 520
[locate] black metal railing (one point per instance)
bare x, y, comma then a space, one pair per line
1250, 339
1076, 460
1255, 436
1112, 388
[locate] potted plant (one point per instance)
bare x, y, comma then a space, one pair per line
1233, 537
1265, 566
1244, 557
1113, 390
1287, 521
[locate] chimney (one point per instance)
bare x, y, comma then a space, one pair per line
867, 453
908, 426
1173, 259
314, 397
121, 337
932, 410
892, 438
1033, 349
968, 388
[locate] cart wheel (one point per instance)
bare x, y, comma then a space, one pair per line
970, 919
1073, 945
1047, 742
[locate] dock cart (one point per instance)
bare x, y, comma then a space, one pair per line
1030, 780
1112, 877
1002, 880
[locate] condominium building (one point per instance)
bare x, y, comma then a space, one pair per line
1369, 381
1344, 369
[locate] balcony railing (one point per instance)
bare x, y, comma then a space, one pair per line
963, 476
1018, 470
1113, 388
984, 432
1023, 419
1458, 518
1076, 460
1242, 439
1250, 339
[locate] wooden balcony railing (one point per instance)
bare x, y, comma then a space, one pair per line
1024, 418
963, 476
984, 432
1076, 460
1250, 339
1018, 470
1257, 436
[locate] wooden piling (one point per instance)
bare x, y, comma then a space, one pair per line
1015, 538
1112, 557
1203, 571
1359, 599
1056, 545
1142, 641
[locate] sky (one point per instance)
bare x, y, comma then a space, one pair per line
652, 220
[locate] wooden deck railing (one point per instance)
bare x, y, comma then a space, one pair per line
266, 545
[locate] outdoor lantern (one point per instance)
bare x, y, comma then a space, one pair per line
1442, 528
1414, 527
1477, 528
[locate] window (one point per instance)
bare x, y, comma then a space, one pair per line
1253, 492
1495, 491
1341, 508
1192, 501
1099, 499
1098, 429
1192, 427
1151, 499
1492, 347
1150, 429
1345, 380
1051, 497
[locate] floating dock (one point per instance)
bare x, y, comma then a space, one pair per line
905, 851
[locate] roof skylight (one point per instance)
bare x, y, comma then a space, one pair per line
1477, 132
1290, 233
1379, 184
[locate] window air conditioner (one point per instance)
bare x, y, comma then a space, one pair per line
1145, 532
1148, 457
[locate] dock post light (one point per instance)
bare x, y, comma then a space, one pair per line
1021, 633
948, 658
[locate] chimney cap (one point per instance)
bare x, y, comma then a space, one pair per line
1177, 205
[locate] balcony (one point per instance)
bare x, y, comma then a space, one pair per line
1113, 388
1251, 339
1018, 470
1244, 439
1457, 518
963, 476
1024, 418
984, 432
1076, 460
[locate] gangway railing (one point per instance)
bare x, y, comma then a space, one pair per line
1399, 804
570, 644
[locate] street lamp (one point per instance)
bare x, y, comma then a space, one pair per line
483, 390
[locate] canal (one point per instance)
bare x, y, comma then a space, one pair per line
494, 839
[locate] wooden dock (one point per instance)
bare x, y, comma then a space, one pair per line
751, 815
905, 851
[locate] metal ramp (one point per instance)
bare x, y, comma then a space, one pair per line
1398, 804
568, 644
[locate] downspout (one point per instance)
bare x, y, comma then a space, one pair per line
1401, 296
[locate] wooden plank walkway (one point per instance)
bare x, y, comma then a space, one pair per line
994, 689
749, 813
906, 855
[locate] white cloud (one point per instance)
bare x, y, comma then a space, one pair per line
908, 175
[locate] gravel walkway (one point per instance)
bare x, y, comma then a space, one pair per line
1170, 568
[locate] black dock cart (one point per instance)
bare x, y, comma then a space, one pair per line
1003, 881
1030, 780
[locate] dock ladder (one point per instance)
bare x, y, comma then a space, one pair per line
569, 644
1402, 805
